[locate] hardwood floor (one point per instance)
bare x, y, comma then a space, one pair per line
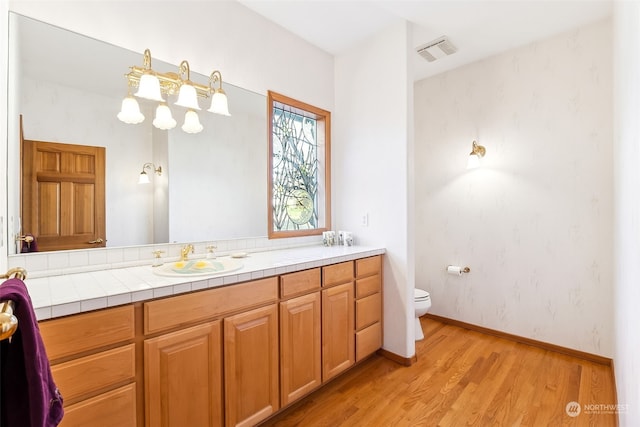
461, 377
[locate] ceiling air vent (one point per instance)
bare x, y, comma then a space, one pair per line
436, 49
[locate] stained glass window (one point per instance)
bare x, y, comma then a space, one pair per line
298, 168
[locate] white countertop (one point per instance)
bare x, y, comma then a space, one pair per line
62, 295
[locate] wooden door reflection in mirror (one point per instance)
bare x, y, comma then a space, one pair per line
63, 196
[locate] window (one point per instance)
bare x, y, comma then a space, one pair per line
299, 168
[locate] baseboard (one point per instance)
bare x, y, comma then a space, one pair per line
404, 361
541, 344
615, 391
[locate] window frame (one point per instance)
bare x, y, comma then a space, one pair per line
322, 117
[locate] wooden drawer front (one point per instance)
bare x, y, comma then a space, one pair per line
93, 373
368, 341
368, 266
115, 408
367, 286
83, 332
368, 311
199, 306
300, 282
337, 273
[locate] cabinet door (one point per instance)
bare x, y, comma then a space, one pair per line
114, 408
251, 366
183, 377
300, 351
338, 348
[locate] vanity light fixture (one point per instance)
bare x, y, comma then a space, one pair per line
477, 152
152, 85
144, 178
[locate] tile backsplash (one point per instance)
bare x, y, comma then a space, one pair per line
77, 261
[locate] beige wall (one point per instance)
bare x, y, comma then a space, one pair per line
535, 223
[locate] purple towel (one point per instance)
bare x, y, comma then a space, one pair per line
28, 395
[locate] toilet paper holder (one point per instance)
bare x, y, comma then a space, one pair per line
454, 269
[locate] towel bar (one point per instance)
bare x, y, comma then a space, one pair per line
9, 322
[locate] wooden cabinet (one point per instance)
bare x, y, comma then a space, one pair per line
368, 306
93, 364
300, 346
251, 366
231, 355
183, 377
114, 408
338, 341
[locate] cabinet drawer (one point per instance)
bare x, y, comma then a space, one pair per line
367, 286
115, 408
368, 310
337, 273
199, 306
368, 341
83, 332
368, 266
300, 282
95, 372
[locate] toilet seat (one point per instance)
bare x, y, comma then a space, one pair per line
420, 295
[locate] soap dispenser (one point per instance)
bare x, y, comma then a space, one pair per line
157, 260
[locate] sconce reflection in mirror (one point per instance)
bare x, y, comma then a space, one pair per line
152, 85
144, 178
477, 153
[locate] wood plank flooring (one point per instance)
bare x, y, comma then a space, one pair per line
462, 377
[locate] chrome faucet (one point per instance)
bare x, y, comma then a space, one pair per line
184, 252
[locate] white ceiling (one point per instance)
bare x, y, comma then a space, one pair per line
478, 28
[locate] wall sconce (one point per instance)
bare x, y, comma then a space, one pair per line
152, 85
477, 152
144, 178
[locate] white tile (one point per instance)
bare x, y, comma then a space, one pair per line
59, 260
228, 280
115, 255
97, 256
65, 309
36, 262
162, 292
78, 258
142, 295
199, 285
244, 277
119, 299
93, 304
217, 281
43, 313
181, 288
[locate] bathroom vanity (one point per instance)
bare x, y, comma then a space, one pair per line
230, 350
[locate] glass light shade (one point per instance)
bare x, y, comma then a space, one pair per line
144, 178
187, 97
473, 161
163, 119
130, 111
149, 88
219, 104
192, 122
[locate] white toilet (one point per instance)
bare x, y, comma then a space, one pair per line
422, 303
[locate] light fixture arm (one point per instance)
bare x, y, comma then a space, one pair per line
146, 59
152, 167
216, 77
477, 150
185, 70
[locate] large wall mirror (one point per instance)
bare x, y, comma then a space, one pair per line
68, 88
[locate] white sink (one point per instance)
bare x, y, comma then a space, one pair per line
198, 267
